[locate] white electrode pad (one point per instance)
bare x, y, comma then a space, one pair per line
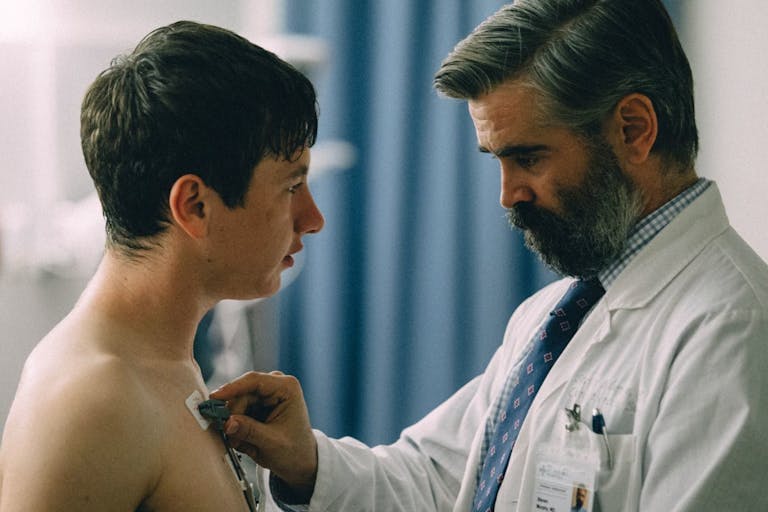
192, 402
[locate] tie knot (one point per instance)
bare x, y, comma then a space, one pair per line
589, 286
580, 297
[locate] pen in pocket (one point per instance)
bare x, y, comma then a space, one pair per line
598, 427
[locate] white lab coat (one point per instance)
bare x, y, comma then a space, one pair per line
676, 357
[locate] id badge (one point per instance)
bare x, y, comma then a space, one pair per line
565, 482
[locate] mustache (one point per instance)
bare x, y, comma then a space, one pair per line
528, 217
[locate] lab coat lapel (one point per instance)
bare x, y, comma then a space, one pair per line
668, 253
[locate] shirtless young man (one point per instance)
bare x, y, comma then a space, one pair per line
198, 144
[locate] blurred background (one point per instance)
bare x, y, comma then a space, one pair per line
405, 294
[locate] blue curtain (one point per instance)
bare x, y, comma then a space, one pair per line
405, 295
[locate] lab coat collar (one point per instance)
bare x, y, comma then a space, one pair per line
673, 248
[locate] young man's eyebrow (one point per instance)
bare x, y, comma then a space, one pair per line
514, 150
301, 170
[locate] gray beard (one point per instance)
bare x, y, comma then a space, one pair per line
596, 221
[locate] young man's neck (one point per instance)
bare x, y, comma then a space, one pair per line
155, 300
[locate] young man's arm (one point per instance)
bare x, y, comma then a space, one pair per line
83, 445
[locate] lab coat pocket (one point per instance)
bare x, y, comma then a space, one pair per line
617, 455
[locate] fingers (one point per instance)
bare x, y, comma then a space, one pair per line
290, 452
242, 428
270, 423
242, 385
237, 405
263, 385
259, 395
239, 430
258, 439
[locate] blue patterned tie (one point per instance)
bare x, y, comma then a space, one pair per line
548, 344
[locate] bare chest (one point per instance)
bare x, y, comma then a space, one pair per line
196, 470
196, 473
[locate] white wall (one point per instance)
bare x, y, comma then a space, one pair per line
727, 44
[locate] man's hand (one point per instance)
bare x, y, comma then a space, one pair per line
270, 423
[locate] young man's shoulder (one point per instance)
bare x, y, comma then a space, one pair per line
81, 422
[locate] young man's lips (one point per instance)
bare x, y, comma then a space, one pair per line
288, 259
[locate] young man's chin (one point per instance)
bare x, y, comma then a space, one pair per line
271, 289
264, 289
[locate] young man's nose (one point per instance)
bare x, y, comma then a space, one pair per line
309, 219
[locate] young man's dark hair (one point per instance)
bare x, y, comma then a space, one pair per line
175, 106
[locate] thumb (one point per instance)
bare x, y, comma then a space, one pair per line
246, 435
243, 429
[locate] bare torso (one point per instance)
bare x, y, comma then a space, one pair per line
98, 424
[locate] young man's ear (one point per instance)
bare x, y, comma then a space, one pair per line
633, 128
188, 204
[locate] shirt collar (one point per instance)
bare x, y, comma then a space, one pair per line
649, 226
